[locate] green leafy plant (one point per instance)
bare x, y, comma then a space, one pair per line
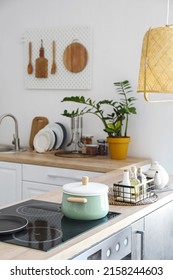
113, 121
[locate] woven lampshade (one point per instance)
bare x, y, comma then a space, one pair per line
156, 66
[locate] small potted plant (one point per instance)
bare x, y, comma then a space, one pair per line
115, 122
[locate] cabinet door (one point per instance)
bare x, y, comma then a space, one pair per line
10, 183
54, 175
138, 240
158, 240
31, 189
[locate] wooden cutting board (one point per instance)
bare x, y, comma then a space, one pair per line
37, 124
75, 57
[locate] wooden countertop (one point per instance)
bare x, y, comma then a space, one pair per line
67, 250
112, 170
97, 163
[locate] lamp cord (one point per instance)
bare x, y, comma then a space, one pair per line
167, 16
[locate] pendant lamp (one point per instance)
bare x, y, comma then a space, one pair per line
156, 66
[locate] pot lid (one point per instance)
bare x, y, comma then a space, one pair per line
84, 188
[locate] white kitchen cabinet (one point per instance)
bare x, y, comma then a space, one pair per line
10, 183
31, 189
158, 237
39, 179
152, 236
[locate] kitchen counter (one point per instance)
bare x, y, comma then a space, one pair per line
67, 250
112, 172
96, 163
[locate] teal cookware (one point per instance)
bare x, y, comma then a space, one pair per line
85, 200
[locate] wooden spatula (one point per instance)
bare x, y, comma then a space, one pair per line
30, 67
53, 69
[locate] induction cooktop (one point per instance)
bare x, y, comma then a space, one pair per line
47, 227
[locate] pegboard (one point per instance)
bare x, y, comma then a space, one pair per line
63, 36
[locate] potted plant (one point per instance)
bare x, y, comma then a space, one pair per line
115, 122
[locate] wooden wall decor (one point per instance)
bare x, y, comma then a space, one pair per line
68, 54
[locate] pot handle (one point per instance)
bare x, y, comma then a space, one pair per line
77, 199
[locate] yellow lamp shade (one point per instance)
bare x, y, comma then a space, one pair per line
156, 66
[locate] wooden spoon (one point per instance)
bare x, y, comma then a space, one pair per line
30, 67
53, 69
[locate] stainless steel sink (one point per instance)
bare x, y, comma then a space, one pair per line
4, 148
10, 149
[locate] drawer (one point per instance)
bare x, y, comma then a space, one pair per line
32, 189
54, 175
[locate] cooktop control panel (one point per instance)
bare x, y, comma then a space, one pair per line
115, 247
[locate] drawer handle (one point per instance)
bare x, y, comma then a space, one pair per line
53, 175
58, 176
141, 233
77, 199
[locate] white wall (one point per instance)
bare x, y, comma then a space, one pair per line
118, 30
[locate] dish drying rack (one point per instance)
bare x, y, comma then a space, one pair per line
132, 195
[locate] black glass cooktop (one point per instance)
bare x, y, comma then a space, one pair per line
47, 226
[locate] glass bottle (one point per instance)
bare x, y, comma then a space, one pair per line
126, 182
157, 180
134, 181
126, 178
133, 176
102, 148
142, 178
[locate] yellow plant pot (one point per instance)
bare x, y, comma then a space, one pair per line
118, 147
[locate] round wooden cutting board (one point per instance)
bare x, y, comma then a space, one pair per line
75, 57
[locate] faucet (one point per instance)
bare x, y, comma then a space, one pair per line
16, 140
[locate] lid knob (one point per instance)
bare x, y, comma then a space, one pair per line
85, 180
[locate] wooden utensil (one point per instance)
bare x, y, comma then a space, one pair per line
53, 69
75, 57
41, 64
30, 67
37, 124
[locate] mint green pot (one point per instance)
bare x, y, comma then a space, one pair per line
85, 203
95, 208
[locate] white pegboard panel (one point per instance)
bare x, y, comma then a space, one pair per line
63, 36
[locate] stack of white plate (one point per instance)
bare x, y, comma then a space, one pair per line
51, 137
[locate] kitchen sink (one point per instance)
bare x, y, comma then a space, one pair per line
10, 149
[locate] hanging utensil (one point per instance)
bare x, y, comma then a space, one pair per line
30, 67
81, 131
75, 57
72, 131
76, 140
53, 69
41, 64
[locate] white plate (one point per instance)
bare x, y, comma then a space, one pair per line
44, 140
41, 142
51, 137
59, 133
64, 131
